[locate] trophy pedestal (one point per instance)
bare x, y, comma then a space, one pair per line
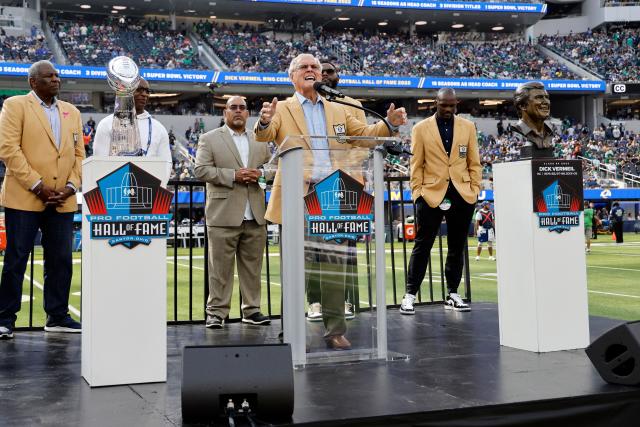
542, 281
124, 294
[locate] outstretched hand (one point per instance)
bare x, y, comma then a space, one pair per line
267, 111
396, 116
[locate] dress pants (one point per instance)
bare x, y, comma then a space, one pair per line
326, 269
243, 245
57, 244
428, 221
351, 280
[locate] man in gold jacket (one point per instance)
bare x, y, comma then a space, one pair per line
308, 113
445, 181
41, 145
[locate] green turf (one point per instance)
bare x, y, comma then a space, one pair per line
612, 271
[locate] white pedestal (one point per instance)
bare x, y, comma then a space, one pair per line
542, 279
124, 296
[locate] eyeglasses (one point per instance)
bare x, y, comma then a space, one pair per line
329, 71
234, 107
314, 67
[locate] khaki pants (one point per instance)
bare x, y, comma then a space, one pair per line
244, 244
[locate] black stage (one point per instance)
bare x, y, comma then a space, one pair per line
457, 375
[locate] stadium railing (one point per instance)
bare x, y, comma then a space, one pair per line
433, 289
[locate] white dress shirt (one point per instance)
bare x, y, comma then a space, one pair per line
148, 128
242, 144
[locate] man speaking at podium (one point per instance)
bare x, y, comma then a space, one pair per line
308, 113
445, 181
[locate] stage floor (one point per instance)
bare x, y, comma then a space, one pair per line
455, 362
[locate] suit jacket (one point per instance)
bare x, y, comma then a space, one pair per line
217, 160
431, 168
28, 149
289, 120
355, 112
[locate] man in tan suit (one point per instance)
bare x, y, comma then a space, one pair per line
227, 160
42, 148
445, 181
308, 113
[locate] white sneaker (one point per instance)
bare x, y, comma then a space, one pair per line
348, 311
492, 258
478, 258
406, 307
455, 302
315, 312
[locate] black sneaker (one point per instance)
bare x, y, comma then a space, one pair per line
6, 332
214, 322
66, 324
454, 302
257, 319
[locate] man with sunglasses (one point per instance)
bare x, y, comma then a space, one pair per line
445, 181
154, 138
228, 160
308, 113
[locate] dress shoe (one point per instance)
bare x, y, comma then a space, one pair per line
338, 342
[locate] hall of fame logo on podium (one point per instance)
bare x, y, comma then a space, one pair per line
129, 207
339, 208
557, 193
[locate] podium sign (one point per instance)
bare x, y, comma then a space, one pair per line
542, 279
124, 276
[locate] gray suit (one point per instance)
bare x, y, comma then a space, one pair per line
230, 236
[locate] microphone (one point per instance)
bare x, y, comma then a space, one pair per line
325, 90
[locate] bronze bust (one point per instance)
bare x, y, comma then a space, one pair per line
533, 129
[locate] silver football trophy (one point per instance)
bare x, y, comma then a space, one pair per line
123, 77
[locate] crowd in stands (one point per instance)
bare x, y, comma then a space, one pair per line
28, 48
151, 43
244, 48
608, 147
613, 53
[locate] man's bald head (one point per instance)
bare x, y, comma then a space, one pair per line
446, 103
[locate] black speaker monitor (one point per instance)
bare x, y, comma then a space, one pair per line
261, 375
616, 354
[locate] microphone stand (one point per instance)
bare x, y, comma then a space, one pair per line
395, 149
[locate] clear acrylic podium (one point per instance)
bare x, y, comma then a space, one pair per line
333, 247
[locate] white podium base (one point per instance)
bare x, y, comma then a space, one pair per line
542, 280
124, 297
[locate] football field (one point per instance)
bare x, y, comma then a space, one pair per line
613, 273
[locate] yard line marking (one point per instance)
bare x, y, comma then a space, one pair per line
613, 268
41, 287
614, 294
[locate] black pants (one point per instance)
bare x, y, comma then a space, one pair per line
617, 228
57, 244
428, 222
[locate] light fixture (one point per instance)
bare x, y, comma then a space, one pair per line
343, 18
114, 11
212, 3
85, 6
398, 12
189, 11
426, 101
456, 14
421, 23
213, 17
119, 7
497, 28
163, 95
383, 23
457, 26
337, 9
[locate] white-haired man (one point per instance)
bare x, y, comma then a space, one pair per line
308, 113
